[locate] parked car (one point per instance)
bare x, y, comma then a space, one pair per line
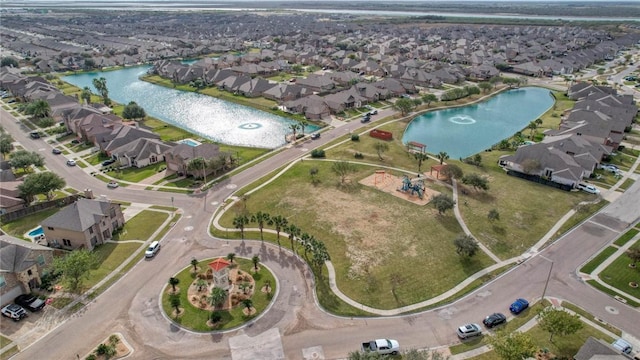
469, 330
588, 188
494, 319
152, 250
14, 312
373, 112
108, 162
56, 151
71, 162
30, 302
519, 306
623, 346
113, 184
381, 346
365, 118
315, 136
610, 168
34, 135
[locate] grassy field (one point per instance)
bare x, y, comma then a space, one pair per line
110, 256
142, 226
21, 226
618, 274
626, 237
196, 319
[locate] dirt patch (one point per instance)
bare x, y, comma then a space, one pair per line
394, 185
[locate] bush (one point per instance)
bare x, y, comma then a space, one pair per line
317, 153
358, 156
355, 137
216, 316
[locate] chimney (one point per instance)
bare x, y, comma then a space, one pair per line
88, 193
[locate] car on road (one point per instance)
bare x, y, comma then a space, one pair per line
71, 162
14, 312
113, 184
108, 162
373, 112
365, 118
315, 136
34, 135
494, 319
152, 250
588, 188
469, 330
30, 302
519, 306
56, 151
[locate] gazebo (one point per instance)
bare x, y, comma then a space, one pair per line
220, 269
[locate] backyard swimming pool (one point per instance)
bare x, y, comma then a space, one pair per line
468, 130
37, 231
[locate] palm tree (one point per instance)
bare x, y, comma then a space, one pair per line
256, 260
239, 222
230, 257
101, 85
197, 165
39, 109
86, 95
175, 303
303, 124
248, 304
532, 126
260, 218
304, 240
442, 156
218, 296
293, 231
420, 156
194, 263
173, 282
294, 128
201, 284
280, 223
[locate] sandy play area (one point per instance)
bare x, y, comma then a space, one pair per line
391, 184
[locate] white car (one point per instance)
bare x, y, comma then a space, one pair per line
14, 312
588, 188
152, 250
71, 162
113, 184
469, 330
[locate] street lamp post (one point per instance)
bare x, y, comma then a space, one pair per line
544, 291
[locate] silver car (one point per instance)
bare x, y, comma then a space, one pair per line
469, 330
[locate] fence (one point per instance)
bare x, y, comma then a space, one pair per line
18, 214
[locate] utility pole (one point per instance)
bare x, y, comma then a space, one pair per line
544, 291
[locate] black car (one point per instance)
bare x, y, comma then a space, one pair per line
34, 135
56, 151
30, 302
108, 162
494, 320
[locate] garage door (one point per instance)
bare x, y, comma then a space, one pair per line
12, 294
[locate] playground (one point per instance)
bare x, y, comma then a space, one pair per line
414, 189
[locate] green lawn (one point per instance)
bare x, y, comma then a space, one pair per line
626, 184
626, 237
606, 290
21, 226
4, 341
133, 174
142, 226
110, 256
602, 256
618, 274
195, 319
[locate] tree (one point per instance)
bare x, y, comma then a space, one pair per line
493, 215
230, 257
451, 171
244, 287
403, 105
420, 156
477, 181
380, 148
465, 245
175, 303
280, 223
313, 172
38, 109
303, 124
485, 86
194, 263
173, 282
429, 98
217, 297
634, 254
260, 218
9, 61
531, 166
133, 111
86, 95
44, 182
532, 127
294, 128
343, 169
6, 143
75, 267
248, 304
558, 322
197, 165
101, 86
239, 222
512, 346
443, 202
442, 156
294, 232
255, 260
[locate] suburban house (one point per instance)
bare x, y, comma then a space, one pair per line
10, 199
83, 224
22, 264
179, 156
140, 152
596, 349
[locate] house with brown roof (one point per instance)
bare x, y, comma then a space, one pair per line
83, 224
22, 265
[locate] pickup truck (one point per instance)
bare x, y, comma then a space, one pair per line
382, 346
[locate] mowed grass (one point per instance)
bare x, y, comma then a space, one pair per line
372, 237
602, 256
618, 274
110, 256
142, 226
18, 228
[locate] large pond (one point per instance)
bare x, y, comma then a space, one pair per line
206, 116
464, 131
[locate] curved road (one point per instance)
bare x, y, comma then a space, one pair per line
131, 306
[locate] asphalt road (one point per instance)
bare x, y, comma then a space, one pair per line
131, 307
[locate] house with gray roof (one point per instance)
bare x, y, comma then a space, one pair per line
596, 349
122, 135
179, 156
140, 153
83, 224
22, 265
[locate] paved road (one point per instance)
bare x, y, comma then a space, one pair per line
131, 305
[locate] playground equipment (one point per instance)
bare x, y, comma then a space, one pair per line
415, 186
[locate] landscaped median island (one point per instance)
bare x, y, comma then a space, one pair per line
218, 294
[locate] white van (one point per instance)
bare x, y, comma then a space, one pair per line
152, 250
622, 346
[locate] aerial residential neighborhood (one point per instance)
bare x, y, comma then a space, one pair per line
320, 181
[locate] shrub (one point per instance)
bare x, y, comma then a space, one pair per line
355, 137
216, 316
358, 156
90, 357
317, 153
